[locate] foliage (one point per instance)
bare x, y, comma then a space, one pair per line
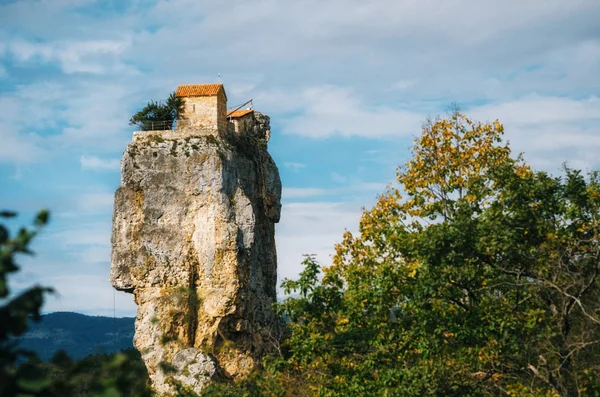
158, 115
15, 312
21, 372
123, 373
481, 280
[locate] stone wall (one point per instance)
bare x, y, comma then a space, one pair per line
222, 112
200, 112
256, 125
179, 133
244, 123
204, 112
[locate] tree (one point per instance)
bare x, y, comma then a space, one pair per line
158, 115
21, 372
476, 276
16, 312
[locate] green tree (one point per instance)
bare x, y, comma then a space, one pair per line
158, 115
477, 276
21, 372
17, 311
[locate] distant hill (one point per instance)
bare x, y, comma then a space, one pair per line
79, 335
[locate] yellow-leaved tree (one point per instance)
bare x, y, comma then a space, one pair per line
475, 276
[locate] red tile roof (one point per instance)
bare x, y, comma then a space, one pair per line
199, 90
239, 113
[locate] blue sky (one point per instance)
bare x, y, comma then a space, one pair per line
347, 84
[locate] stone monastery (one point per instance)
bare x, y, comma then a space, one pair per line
193, 239
205, 110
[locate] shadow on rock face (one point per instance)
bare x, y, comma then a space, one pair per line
194, 215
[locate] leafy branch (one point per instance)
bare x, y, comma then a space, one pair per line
158, 115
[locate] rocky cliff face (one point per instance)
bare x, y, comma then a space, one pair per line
193, 240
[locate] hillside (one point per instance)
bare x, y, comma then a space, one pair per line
79, 335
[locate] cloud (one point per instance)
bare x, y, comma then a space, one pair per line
99, 164
550, 130
338, 178
537, 109
339, 111
19, 148
294, 166
302, 192
289, 193
45, 119
97, 117
95, 202
311, 228
403, 84
351, 69
365, 100
93, 255
96, 234
89, 294
81, 283
89, 56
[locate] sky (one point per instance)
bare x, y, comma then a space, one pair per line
347, 85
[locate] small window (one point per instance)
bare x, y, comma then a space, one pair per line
194, 108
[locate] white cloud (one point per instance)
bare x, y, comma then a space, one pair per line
97, 163
84, 116
89, 56
82, 286
294, 166
339, 111
239, 88
350, 69
351, 187
385, 42
550, 130
389, 44
302, 192
311, 228
19, 148
372, 186
93, 255
88, 293
88, 234
95, 202
338, 178
537, 109
403, 84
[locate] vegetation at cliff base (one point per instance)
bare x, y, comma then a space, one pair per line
21, 371
158, 115
476, 276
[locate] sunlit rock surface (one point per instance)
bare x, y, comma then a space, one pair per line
193, 240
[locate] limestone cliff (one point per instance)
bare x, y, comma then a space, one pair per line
193, 240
